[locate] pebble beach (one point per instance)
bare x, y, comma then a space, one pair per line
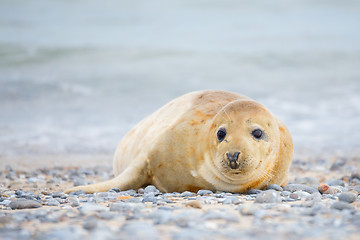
320, 201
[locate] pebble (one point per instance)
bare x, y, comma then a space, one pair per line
299, 187
187, 194
74, 201
323, 187
269, 196
347, 197
232, 200
91, 208
204, 192
194, 204
53, 202
332, 190
294, 196
254, 191
152, 189
90, 223
274, 187
23, 204
340, 205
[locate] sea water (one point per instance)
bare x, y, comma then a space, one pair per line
75, 76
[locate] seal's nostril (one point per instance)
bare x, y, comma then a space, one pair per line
233, 157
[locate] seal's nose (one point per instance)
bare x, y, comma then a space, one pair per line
233, 159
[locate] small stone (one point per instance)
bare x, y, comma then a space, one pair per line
323, 187
79, 182
316, 197
347, 197
79, 192
269, 196
90, 224
254, 191
299, 187
57, 195
355, 176
53, 202
106, 215
285, 193
150, 199
204, 192
294, 196
117, 190
194, 204
187, 194
332, 190
231, 200
342, 205
152, 189
74, 201
338, 164
274, 187
23, 204
91, 208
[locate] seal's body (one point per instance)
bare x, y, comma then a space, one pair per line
212, 140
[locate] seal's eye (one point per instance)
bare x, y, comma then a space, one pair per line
221, 133
257, 133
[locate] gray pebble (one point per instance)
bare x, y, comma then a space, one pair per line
5, 203
106, 215
274, 187
316, 197
302, 194
294, 196
347, 197
79, 182
74, 201
79, 192
152, 189
231, 200
90, 224
299, 187
23, 204
53, 202
57, 195
91, 208
269, 196
204, 192
285, 193
150, 199
340, 205
254, 191
187, 194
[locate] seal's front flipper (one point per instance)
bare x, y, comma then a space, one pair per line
131, 178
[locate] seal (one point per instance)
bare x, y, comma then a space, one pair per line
213, 140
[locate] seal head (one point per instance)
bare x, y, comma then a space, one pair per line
244, 141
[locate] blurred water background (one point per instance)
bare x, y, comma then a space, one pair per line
75, 76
